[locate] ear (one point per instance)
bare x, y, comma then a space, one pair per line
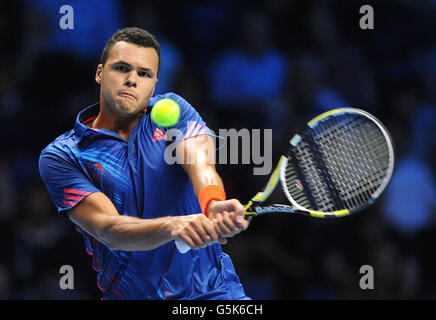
152, 92
98, 73
154, 86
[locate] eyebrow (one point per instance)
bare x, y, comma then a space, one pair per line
129, 65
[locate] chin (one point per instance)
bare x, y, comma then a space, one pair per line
128, 110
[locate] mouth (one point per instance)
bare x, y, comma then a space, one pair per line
127, 95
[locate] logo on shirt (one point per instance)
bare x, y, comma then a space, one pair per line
159, 135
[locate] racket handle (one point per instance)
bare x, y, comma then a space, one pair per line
182, 246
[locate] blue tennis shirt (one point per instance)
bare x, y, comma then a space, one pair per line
135, 176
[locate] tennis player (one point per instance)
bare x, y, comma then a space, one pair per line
108, 175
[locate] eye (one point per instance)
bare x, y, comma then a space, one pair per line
145, 74
121, 68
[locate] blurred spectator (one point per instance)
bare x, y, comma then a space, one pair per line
37, 231
146, 15
247, 77
308, 92
172, 63
395, 276
94, 23
410, 205
209, 25
346, 69
413, 177
423, 63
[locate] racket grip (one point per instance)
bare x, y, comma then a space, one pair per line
182, 246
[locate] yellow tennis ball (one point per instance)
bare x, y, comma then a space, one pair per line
165, 113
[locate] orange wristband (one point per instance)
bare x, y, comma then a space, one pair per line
209, 193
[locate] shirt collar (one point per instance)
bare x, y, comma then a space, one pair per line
87, 115
84, 116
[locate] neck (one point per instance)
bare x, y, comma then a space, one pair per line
122, 126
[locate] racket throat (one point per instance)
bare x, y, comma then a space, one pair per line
249, 209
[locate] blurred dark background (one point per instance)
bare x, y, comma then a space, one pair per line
241, 64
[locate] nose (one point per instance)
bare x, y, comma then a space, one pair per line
131, 81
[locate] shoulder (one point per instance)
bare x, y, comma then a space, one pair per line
59, 159
60, 147
171, 95
189, 116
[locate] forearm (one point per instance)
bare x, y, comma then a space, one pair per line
202, 171
226, 215
203, 176
134, 234
98, 217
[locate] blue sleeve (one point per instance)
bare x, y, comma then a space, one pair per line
65, 181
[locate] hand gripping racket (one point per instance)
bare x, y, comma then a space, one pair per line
338, 165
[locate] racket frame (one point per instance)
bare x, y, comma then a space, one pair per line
255, 207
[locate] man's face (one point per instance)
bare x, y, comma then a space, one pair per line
127, 79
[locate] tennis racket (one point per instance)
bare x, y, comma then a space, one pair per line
338, 165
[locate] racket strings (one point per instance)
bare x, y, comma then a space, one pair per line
296, 188
342, 162
309, 187
357, 151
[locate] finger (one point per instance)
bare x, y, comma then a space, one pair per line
189, 242
239, 220
239, 217
211, 231
228, 221
242, 222
237, 207
195, 236
220, 226
206, 231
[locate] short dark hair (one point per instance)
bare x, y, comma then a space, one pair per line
133, 35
